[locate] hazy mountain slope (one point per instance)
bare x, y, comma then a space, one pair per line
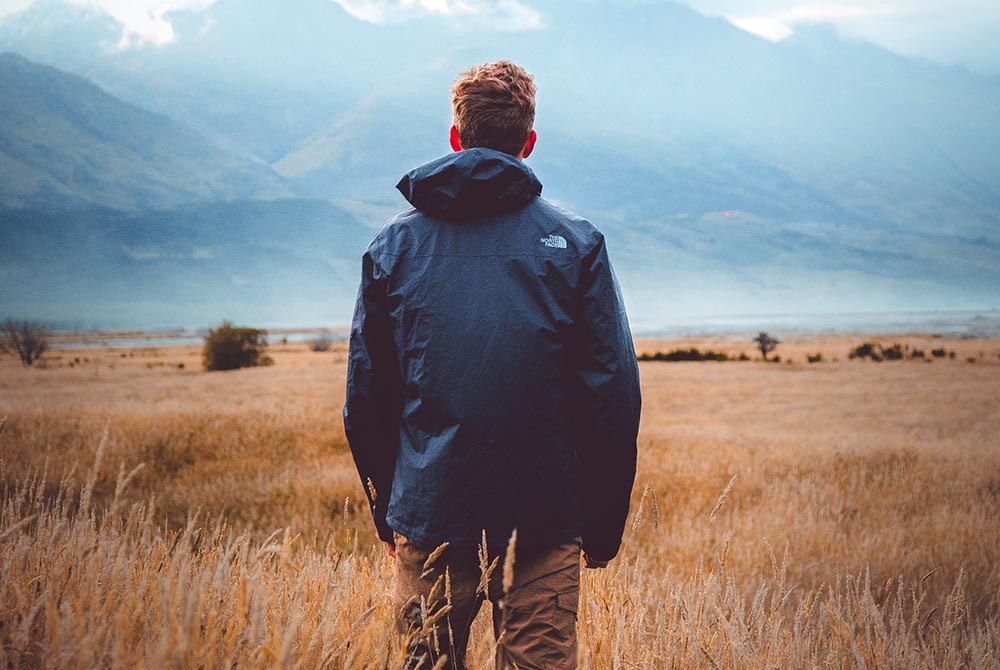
735, 263
287, 261
64, 140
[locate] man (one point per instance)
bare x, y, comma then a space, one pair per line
492, 392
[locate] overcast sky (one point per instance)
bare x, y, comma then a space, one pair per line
948, 31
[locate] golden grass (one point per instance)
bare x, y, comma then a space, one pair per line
785, 515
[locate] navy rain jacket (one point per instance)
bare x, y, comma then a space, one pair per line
492, 383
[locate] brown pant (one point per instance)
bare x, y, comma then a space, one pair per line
534, 621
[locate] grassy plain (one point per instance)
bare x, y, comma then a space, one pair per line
841, 514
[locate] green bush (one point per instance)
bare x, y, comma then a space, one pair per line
817, 358
229, 347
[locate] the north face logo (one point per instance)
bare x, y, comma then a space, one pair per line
554, 241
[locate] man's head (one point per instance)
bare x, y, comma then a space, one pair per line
494, 107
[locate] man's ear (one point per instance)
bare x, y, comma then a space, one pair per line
529, 146
456, 141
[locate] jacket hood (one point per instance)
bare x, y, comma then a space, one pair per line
469, 184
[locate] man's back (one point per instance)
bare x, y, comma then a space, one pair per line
485, 289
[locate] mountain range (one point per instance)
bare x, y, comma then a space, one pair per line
730, 174
66, 141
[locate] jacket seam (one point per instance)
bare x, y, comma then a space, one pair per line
576, 257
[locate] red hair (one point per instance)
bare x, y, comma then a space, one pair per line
494, 106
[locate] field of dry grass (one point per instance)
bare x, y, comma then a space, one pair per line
839, 514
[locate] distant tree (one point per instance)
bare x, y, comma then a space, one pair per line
766, 343
27, 339
229, 347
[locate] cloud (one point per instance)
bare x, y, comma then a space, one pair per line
764, 26
147, 22
13, 6
946, 31
780, 24
498, 14
144, 21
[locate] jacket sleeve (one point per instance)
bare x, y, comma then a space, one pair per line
374, 392
608, 405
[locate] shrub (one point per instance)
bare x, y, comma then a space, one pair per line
866, 350
743, 356
938, 353
893, 353
27, 339
878, 352
694, 354
229, 347
322, 343
691, 354
814, 358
